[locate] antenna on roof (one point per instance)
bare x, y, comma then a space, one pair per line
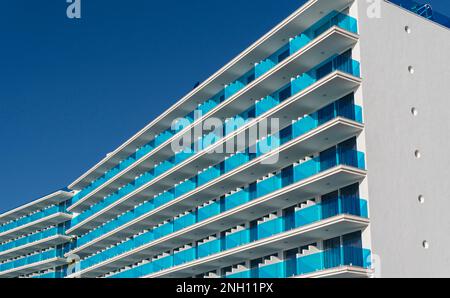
424, 10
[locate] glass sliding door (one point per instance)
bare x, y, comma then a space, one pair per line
350, 200
332, 253
330, 205
353, 253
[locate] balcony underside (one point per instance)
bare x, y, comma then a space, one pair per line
299, 192
31, 268
323, 137
333, 41
42, 223
34, 246
299, 21
334, 86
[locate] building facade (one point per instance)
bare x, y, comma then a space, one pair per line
317, 152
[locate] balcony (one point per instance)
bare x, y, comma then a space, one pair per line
310, 92
27, 265
300, 20
313, 177
212, 184
315, 46
37, 221
242, 248
55, 198
39, 241
355, 262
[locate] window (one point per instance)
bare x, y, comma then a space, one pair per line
323, 70
250, 78
350, 199
353, 249
284, 94
332, 253
283, 55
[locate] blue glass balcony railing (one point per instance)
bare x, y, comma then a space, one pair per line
32, 238
342, 256
47, 255
341, 62
333, 19
30, 218
343, 108
309, 215
184, 256
264, 66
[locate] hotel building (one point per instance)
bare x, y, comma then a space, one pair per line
349, 179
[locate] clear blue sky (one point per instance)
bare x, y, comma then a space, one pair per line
73, 90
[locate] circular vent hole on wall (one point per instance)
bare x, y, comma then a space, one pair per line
417, 154
421, 199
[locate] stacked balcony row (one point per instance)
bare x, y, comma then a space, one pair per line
41, 239
26, 220
51, 257
35, 241
341, 62
344, 154
308, 260
231, 201
295, 44
273, 224
341, 108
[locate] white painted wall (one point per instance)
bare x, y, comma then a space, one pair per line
399, 223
